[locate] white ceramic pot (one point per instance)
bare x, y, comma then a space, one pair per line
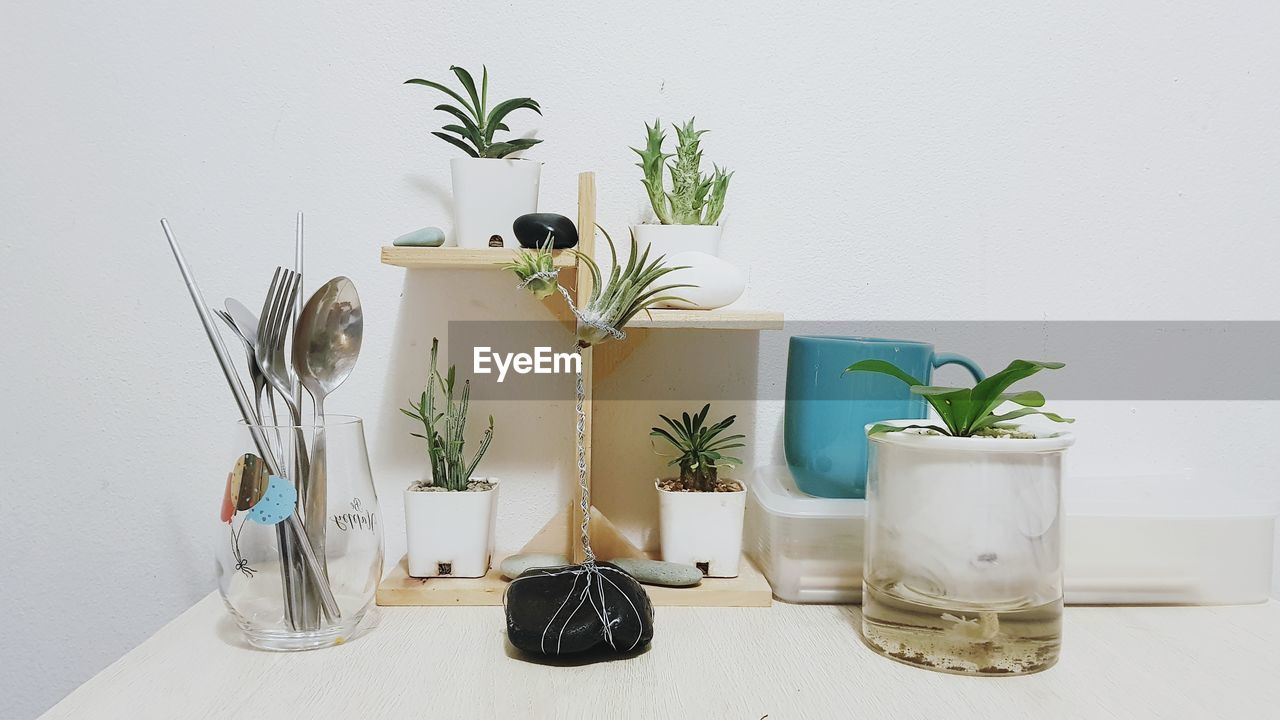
702, 529
488, 195
450, 531
671, 239
715, 282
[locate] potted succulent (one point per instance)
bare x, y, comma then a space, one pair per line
689, 212
449, 517
700, 513
963, 549
490, 188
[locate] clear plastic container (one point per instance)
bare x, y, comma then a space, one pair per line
1166, 540
1152, 540
809, 548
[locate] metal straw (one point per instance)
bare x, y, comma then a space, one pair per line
246, 411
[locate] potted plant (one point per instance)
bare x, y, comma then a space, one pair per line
700, 513
490, 188
449, 517
963, 549
689, 212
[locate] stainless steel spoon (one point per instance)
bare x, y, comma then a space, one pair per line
326, 343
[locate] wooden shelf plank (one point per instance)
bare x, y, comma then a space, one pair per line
460, 258
749, 589
722, 319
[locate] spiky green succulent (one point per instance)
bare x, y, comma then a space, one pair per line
630, 289
694, 198
449, 468
479, 122
699, 447
536, 270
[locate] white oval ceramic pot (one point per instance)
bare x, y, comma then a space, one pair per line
715, 282
671, 239
488, 195
450, 534
702, 529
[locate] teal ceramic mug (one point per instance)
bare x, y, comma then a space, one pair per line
827, 412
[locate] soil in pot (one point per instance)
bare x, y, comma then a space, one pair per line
472, 486
675, 485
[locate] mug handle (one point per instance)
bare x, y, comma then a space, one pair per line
941, 359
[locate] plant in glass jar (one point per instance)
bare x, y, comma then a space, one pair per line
700, 513
449, 517
963, 550
490, 188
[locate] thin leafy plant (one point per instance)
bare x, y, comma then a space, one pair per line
630, 289
479, 122
449, 468
694, 198
966, 412
699, 448
536, 270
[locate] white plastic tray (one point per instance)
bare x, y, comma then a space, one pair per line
1135, 540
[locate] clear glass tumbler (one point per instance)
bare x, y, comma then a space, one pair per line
299, 551
963, 564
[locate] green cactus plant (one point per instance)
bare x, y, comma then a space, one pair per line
449, 468
694, 198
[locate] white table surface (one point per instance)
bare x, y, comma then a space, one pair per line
788, 661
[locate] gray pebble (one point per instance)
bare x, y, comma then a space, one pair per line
516, 564
426, 237
657, 572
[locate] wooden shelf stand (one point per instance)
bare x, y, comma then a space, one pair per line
749, 589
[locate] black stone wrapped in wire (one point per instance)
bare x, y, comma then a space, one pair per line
576, 608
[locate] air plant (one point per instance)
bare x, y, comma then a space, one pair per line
478, 121
699, 448
536, 270
449, 469
629, 290
694, 198
966, 412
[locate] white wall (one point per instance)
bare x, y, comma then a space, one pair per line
1099, 160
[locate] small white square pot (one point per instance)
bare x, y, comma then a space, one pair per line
699, 528
671, 239
450, 531
488, 195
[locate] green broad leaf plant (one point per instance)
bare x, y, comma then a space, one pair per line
630, 289
477, 121
694, 198
699, 448
969, 412
449, 468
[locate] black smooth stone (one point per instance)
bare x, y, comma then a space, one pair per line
549, 614
531, 230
